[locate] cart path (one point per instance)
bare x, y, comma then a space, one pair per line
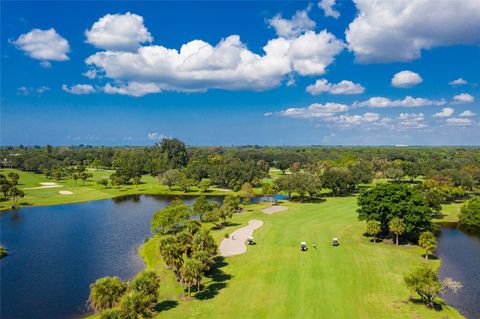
235, 244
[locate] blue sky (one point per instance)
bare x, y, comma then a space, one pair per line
267, 73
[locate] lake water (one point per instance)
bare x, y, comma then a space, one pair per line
56, 252
460, 256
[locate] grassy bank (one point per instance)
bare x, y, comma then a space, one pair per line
274, 279
88, 190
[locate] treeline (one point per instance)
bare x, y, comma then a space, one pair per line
340, 169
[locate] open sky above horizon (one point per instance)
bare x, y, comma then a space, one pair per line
237, 73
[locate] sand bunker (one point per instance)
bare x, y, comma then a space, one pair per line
46, 185
65, 192
235, 244
274, 209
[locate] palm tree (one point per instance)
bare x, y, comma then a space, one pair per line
16, 195
396, 227
191, 271
428, 242
135, 305
105, 293
373, 229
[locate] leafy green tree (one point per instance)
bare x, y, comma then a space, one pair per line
201, 206
176, 152
373, 229
428, 242
172, 253
269, 190
361, 172
295, 167
170, 219
424, 281
394, 173
16, 194
338, 179
185, 183
386, 201
170, 178
470, 213
247, 192
136, 180
57, 173
103, 181
285, 183
396, 227
5, 186
105, 293
212, 216
204, 184
13, 177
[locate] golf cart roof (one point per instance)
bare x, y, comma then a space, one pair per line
335, 238
303, 243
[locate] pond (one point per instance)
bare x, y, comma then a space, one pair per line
459, 253
56, 252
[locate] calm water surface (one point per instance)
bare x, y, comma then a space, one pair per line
56, 252
460, 256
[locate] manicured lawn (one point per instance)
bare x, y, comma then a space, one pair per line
274, 279
87, 191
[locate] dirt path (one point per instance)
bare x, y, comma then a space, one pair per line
235, 244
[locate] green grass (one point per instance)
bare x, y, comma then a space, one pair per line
358, 279
87, 191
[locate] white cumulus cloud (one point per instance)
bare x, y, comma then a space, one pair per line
467, 113
288, 28
458, 121
123, 32
230, 65
408, 101
388, 31
458, 81
79, 89
406, 79
463, 98
327, 7
315, 110
445, 112
343, 87
45, 45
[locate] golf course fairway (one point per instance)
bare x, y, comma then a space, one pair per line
274, 279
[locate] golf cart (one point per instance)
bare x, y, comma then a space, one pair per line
335, 241
250, 241
303, 246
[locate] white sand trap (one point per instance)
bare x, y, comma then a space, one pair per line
274, 209
235, 244
46, 185
65, 192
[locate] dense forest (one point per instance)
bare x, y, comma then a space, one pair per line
441, 174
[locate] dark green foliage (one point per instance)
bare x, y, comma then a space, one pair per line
470, 213
386, 201
170, 219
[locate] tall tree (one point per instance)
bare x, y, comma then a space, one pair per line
396, 227
424, 281
373, 229
386, 201
428, 242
